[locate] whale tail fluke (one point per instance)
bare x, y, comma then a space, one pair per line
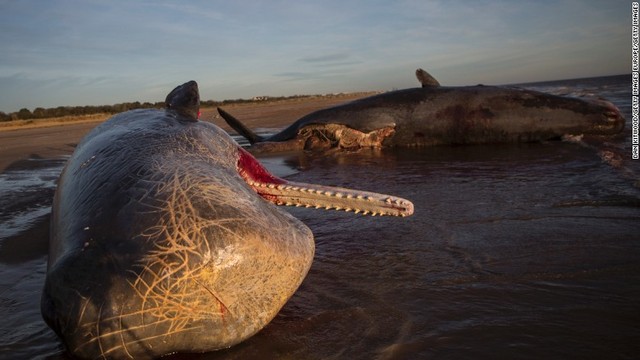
241, 128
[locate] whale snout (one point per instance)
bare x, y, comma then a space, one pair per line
615, 118
611, 120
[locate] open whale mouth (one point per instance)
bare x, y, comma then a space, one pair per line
283, 192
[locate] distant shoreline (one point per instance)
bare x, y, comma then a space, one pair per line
256, 101
99, 117
49, 122
56, 137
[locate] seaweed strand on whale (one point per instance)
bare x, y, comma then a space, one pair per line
165, 236
441, 115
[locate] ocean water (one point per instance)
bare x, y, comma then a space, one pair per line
520, 251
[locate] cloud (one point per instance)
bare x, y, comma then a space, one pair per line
296, 75
332, 58
311, 75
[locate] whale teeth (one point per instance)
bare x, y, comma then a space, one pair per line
388, 201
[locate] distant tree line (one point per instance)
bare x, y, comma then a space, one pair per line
60, 111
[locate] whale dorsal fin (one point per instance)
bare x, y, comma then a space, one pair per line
426, 79
241, 128
185, 100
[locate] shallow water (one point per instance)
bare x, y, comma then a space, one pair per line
514, 251
492, 265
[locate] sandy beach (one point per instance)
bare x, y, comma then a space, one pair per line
53, 140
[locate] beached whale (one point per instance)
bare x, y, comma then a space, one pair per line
165, 237
440, 115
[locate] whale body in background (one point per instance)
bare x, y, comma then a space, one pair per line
441, 115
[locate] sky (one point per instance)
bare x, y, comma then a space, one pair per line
92, 52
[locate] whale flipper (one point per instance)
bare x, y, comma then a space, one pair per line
426, 79
241, 128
